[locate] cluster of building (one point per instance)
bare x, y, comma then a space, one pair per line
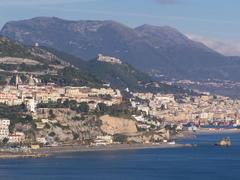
200, 110
103, 140
16, 137
156, 109
31, 94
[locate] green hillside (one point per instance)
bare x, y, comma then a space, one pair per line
10, 49
120, 76
51, 68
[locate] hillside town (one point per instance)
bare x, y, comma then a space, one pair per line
80, 115
32, 94
199, 110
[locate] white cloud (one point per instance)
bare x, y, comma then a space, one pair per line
228, 48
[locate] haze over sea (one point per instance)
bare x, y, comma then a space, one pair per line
205, 162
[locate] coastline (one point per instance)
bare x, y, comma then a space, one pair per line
12, 155
216, 131
51, 151
205, 131
115, 147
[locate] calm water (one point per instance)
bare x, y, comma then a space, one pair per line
205, 162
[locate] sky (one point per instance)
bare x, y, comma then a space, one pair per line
215, 22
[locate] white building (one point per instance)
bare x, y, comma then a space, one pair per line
103, 140
143, 108
4, 128
41, 140
166, 98
109, 59
17, 137
31, 105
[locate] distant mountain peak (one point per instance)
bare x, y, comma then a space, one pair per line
147, 47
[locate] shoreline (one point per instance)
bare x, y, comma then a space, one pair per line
216, 131
205, 131
12, 155
52, 151
115, 147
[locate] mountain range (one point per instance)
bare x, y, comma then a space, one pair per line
53, 66
162, 50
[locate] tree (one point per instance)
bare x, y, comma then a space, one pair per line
102, 108
28, 119
73, 104
66, 103
83, 107
163, 107
47, 126
5, 140
59, 101
2, 79
51, 114
52, 134
121, 138
105, 96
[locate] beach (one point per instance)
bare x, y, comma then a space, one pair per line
51, 151
114, 147
14, 155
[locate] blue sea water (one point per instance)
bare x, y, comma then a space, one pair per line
205, 162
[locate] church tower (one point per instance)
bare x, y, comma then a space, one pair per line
18, 80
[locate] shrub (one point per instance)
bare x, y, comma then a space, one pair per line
121, 138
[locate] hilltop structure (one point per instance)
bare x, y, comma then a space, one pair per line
108, 59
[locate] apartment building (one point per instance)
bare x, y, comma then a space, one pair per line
4, 128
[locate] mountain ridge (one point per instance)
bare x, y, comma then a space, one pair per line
52, 66
162, 49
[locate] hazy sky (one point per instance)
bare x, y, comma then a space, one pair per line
217, 19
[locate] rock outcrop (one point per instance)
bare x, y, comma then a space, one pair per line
114, 125
224, 142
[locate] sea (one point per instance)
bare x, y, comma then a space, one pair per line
203, 162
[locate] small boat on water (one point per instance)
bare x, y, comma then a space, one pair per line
226, 142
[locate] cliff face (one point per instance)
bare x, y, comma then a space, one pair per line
113, 125
64, 128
